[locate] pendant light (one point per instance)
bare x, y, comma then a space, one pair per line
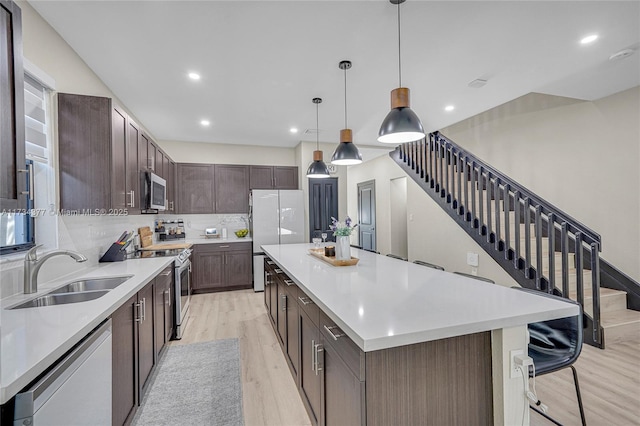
317, 168
347, 153
401, 124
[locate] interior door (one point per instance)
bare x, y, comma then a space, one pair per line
323, 205
367, 215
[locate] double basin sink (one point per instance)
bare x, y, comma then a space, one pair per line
77, 291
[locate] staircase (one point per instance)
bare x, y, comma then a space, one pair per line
539, 245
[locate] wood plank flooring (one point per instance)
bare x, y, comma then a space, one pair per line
609, 379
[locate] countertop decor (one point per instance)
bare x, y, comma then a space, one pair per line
332, 260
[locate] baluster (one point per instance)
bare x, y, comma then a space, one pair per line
449, 163
488, 194
496, 195
564, 250
432, 172
507, 210
436, 176
465, 180
421, 157
459, 169
538, 230
480, 200
412, 151
595, 288
403, 154
579, 266
527, 237
516, 237
551, 231
473, 194
441, 169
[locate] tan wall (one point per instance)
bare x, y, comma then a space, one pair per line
217, 153
581, 156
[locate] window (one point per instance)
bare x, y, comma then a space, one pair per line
17, 230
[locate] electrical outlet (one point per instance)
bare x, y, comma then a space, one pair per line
472, 259
515, 372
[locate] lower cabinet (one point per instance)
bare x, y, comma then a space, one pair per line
139, 332
218, 266
309, 380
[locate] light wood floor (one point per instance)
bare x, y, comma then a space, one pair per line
609, 379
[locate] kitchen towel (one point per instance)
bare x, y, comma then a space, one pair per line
195, 384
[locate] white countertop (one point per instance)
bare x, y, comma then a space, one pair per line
32, 339
383, 302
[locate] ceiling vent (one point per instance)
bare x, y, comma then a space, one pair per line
621, 54
477, 83
311, 131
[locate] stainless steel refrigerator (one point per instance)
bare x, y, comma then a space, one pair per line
275, 217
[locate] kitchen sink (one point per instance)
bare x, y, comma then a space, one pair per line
91, 284
61, 299
75, 292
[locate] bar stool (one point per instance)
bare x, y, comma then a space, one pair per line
430, 265
475, 277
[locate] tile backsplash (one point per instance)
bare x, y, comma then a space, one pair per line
92, 236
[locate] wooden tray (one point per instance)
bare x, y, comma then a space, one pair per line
319, 253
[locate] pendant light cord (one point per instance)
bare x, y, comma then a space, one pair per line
317, 128
345, 98
399, 47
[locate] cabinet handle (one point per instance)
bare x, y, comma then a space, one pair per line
284, 301
266, 279
335, 336
168, 295
166, 274
132, 199
144, 308
150, 163
31, 190
137, 315
317, 349
288, 282
223, 246
270, 262
305, 300
313, 356
171, 203
278, 271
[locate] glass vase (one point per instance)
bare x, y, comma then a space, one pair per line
343, 247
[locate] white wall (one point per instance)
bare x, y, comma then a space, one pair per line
398, 216
581, 156
217, 153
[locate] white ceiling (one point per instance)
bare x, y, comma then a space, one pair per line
263, 61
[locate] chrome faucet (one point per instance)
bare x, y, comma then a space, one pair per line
32, 266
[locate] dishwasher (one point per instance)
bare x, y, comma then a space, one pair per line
76, 391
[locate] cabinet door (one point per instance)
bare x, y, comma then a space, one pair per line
149, 159
168, 310
119, 196
293, 328
84, 151
124, 362
171, 187
146, 350
208, 270
159, 162
165, 167
260, 177
231, 188
238, 268
195, 188
273, 306
285, 177
269, 280
343, 398
309, 377
12, 157
158, 315
282, 314
133, 168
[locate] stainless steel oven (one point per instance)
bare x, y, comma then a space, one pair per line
182, 281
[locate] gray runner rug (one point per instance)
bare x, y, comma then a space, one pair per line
196, 384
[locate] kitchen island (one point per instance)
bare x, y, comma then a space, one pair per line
432, 347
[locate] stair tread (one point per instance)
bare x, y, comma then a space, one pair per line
620, 317
604, 292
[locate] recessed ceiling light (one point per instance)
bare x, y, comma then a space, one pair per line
205, 122
449, 108
194, 76
293, 130
589, 39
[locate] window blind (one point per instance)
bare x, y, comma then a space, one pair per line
35, 111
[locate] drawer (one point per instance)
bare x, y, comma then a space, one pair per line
165, 276
290, 287
216, 247
308, 306
350, 353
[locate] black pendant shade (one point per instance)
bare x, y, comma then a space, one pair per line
317, 169
347, 153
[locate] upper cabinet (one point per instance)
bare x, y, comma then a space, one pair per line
195, 188
13, 185
231, 188
273, 177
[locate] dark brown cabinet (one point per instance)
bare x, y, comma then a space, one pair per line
163, 309
171, 187
221, 266
309, 373
13, 186
196, 188
133, 353
273, 177
270, 285
231, 188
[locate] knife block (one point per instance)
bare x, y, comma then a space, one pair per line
114, 254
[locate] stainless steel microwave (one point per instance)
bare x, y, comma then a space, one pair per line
155, 192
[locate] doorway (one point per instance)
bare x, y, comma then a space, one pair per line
367, 215
323, 205
398, 216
